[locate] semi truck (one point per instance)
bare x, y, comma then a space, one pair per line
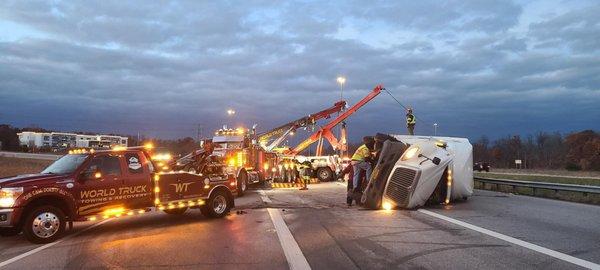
412, 171
88, 185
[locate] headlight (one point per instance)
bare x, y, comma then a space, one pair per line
8, 196
410, 153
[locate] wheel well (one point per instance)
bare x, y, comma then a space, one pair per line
55, 201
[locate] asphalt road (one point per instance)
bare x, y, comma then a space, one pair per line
329, 235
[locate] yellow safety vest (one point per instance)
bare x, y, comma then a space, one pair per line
411, 119
361, 153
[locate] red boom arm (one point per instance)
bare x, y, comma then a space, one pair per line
325, 131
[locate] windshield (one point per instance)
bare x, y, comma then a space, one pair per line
66, 164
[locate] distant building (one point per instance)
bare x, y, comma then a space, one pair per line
61, 140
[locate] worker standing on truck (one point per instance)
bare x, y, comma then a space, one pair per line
411, 120
361, 161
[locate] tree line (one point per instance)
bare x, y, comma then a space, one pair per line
574, 151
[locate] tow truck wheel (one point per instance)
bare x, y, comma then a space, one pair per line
242, 183
324, 174
44, 224
176, 211
217, 205
9, 231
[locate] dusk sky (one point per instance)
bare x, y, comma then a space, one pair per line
162, 68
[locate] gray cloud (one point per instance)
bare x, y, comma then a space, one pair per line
162, 68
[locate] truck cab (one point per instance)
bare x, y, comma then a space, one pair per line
245, 159
88, 185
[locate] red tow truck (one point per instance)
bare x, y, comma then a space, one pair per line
88, 185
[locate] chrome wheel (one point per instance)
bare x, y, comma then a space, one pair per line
46, 225
244, 187
219, 204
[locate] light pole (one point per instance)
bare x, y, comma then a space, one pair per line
435, 129
231, 112
341, 80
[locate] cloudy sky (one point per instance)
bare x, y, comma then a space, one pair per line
164, 68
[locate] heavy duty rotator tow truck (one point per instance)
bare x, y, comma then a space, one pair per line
88, 185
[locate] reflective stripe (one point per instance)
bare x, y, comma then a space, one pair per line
411, 119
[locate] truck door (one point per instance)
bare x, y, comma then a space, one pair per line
137, 181
101, 183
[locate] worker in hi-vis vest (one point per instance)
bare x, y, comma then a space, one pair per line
361, 161
411, 120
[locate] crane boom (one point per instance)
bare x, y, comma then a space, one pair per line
286, 129
325, 131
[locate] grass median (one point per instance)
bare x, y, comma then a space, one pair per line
15, 166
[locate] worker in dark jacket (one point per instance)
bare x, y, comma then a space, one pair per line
411, 121
350, 186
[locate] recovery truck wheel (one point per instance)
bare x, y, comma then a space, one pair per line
176, 211
324, 174
217, 205
44, 224
242, 183
9, 231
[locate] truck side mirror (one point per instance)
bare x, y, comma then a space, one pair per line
436, 160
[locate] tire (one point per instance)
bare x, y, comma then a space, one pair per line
242, 184
6, 232
44, 225
176, 211
217, 206
324, 174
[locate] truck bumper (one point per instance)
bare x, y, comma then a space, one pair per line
6, 217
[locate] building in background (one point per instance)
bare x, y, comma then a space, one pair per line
61, 140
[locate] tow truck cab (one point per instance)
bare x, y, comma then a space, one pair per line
91, 185
245, 159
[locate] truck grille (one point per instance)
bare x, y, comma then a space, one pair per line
399, 186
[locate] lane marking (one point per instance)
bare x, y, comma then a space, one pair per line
264, 197
291, 250
38, 249
534, 247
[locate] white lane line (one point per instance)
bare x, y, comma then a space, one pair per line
291, 250
341, 184
293, 254
534, 247
36, 250
264, 197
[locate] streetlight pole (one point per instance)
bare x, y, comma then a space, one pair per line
231, 112
341, 80
435, 129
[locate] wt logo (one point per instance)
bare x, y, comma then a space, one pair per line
181, 187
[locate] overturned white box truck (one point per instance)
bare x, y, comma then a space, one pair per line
412, 171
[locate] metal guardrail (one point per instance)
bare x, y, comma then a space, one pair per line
540, 185
29, 155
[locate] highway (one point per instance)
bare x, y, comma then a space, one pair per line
288, 228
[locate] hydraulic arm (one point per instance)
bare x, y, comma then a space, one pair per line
325, 131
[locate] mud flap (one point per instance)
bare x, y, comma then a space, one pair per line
390, 153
